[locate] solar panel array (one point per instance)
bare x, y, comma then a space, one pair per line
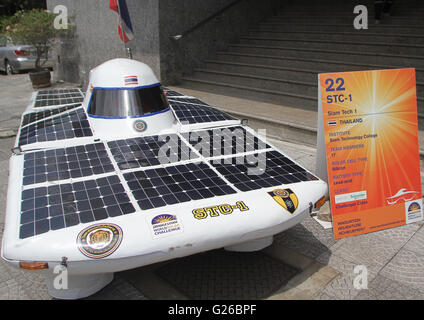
66, 163
73, 124
79, 196
39, 115
195, 113
58, 91
46, 98
187, 100
149, 151
53, 207
224, 141
261, 170
155, 188
66, 205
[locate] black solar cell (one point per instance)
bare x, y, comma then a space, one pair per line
66, 205
149, 151
165, 186
59, 91
188, 100
47, 98
224, 141
261, 170
73, 124
195, 113
39, 115
61, 164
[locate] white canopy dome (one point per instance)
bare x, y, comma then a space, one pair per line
128, 93
122, 73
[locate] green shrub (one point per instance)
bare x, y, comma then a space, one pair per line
32, 27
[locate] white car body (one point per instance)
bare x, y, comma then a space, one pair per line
241, 221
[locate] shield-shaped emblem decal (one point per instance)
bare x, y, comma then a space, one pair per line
286, 198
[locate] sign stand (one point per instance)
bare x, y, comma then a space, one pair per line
321, 158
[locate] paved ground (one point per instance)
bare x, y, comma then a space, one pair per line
304, 262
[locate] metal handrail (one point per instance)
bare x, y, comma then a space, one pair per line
198, 25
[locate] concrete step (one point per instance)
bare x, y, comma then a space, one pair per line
370, 37
346, 7
316, 65
293, 73
253, 93
284, 84
341, 27
347, 12
307, 10
341, 19
397, 15
283, 73
355, 56
295, 100
354, 46
342, 4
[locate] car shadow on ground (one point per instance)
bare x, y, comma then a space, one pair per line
225, 275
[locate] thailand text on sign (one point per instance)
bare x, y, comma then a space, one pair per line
371, 143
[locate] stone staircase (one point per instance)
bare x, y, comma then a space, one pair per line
276, 65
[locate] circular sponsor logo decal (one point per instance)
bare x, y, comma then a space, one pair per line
140, 125
100, 240
282, 193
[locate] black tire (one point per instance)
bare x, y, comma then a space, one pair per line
8, 68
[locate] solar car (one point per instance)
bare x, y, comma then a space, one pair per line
129, 173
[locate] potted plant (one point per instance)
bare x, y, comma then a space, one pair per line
35, 28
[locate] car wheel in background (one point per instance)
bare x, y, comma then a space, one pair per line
9, 68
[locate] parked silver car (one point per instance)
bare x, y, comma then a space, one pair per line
15, 58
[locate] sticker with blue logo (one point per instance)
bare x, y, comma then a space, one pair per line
413, 210
164, 225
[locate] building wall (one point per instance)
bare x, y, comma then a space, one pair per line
94, 39
176, 16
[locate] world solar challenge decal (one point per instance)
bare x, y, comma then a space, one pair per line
100, 240
164, 225
413, 210
286, 198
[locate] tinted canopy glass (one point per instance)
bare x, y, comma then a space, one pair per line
127, 102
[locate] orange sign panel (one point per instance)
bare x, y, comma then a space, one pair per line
371, 142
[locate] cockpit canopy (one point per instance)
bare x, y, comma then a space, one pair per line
127, 102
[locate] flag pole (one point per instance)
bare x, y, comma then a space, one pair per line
127, 50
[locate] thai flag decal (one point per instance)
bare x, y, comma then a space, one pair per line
124, 21
332, 123
131, 80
